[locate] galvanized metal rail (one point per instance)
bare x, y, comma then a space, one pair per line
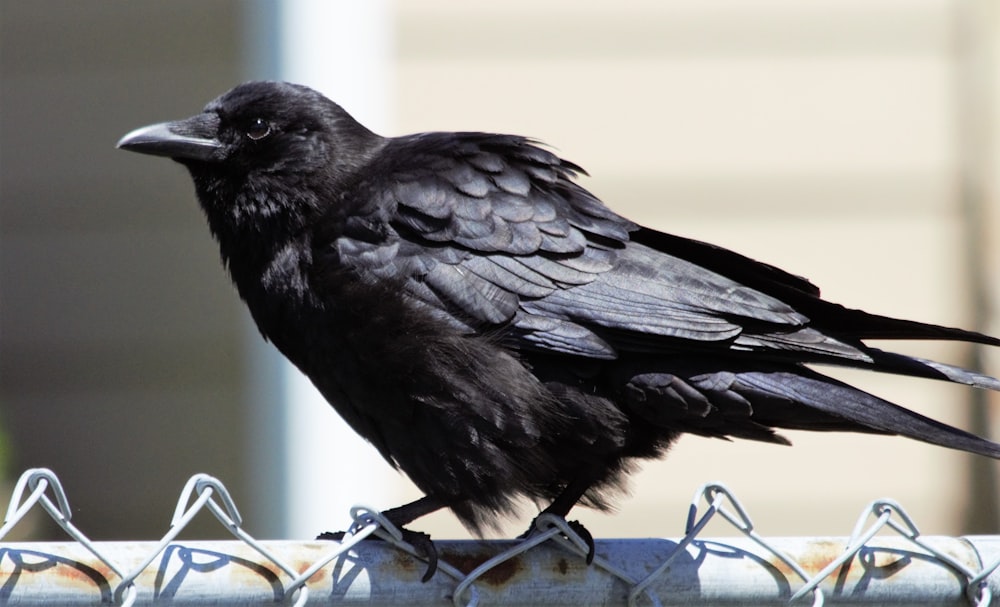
548, 568
733, 571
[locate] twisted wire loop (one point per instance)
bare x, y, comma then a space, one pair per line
372, 522
978, 591
366, 522
37, 480
642, 580
885, 513
206, 487
546, 528
717, 495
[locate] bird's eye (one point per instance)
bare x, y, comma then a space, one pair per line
258, 129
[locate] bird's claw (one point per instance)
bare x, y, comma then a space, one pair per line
586, 536
425, 549
576, 527
420, 541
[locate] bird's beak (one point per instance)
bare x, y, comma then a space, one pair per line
193, 138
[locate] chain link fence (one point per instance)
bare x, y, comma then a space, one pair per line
884, 561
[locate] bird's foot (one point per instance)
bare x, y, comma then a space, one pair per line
575, 527
425, 549
421, 542
391, 527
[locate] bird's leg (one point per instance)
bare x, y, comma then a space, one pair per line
403, 515
561, 506
407, 513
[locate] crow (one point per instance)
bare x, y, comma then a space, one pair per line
496, 331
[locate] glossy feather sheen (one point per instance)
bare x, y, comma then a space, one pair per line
497, 332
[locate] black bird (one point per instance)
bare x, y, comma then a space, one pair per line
493, 329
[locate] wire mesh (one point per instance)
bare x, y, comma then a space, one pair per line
548, 567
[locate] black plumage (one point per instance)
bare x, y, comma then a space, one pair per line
493, 329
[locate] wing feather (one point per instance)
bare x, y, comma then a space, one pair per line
494, 229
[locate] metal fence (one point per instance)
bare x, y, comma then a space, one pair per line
885, 561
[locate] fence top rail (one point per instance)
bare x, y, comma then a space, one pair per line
708, 571
885, 561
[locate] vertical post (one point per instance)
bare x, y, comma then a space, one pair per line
977, 115
306, 467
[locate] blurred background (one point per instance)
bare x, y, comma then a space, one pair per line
850, 141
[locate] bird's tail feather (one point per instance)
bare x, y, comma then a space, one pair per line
864, 325
901, 364
847, 323
839, 400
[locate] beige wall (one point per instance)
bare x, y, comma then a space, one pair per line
822, 137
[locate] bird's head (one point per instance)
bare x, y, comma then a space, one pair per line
262, 156
260, 127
